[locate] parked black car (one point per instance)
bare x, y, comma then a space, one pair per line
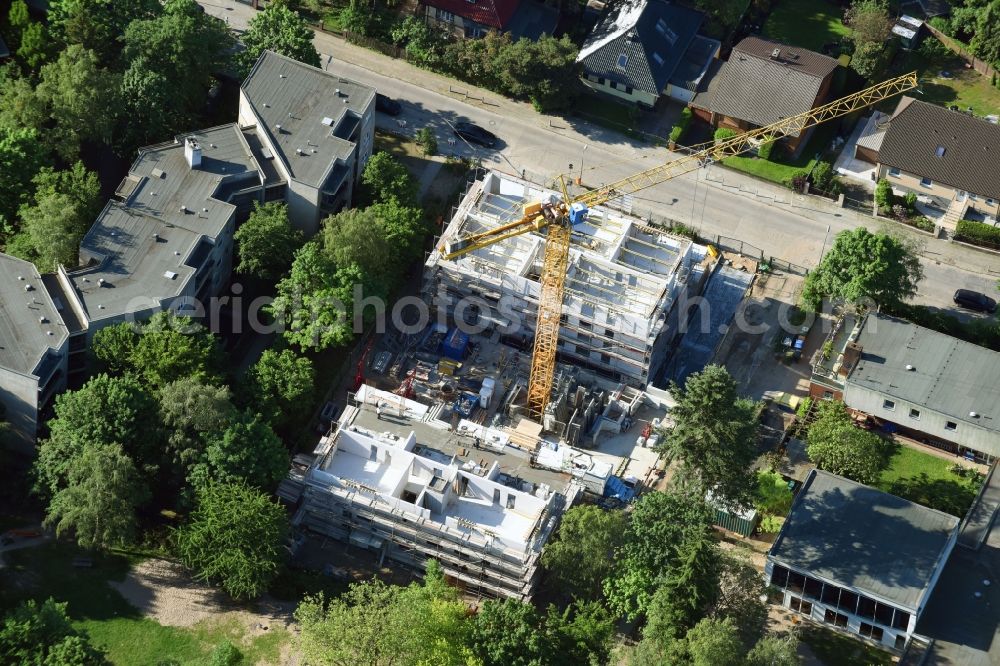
475, 134
974, 300
387, 105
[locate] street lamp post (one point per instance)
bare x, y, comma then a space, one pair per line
579, 181
823, 251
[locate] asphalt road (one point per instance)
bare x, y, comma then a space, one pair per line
713, 200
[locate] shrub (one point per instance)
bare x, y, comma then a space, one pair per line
883, 194
798, 181
942, 24
978, 233
899, 212
724, 133
823, 175
681, 125
771, 524
922, 223
684, 230
765, 150
425, 137
910, 200
225, 654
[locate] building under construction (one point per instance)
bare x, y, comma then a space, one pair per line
623, 281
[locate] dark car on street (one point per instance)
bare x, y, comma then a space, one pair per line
387, 105
974, 300
475, 134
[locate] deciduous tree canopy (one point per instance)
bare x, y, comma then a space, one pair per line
836, 445
280, 29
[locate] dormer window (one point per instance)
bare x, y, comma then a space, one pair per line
658, 59
622, 61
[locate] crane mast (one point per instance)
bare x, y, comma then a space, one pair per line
559, 217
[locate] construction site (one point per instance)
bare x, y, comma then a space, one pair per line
552, 320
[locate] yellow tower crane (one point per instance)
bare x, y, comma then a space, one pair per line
560, 216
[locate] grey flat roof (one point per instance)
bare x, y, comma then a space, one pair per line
24, 339
863, 538
122, 245
300, 98
949, 376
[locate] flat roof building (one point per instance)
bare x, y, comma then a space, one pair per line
624, 279
393, 479
927, 384
33, 340
859, 559
316, 128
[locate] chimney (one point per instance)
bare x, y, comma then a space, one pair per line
776, 54
192, 152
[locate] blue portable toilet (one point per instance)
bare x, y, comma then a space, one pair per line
577, 213
454, 344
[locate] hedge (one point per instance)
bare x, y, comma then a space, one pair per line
978, 233
724, 133
883, 194
681, 125
765, 150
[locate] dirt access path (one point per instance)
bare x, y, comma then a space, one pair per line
164, 591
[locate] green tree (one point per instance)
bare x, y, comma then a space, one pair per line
663, 543
870, 59
55, 227
114, 345
80, 185
385, 178
775, 651
714, 436
277, 29
42, 634
884, 196
315, 300
21, 158
193, 413
151, 112
235, 537
834, 444
773, 495
184, 45
355, 237
281, 385
35, 47
986, 41
581, 555
403, 226
374, 624
98, 505
246, 451
581, 633
424, 44
98, 25
738, 597
267, 241
171, 347
715, 643
864, 265
105, 410
869, 21
18, 19
72, 87
507, 633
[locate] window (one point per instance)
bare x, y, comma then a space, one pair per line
828, 395
914, 413
800, 606
893, 171
866, 608
888, 404
883, 614
950, 425
990, 202
658, 59
901, 620
613, 84
373, 454
814, 588
900, 642
831, 595
973, 196
496, 495
926, 182
661, 26
848, 602
779, 576
446, 17
628, 90
605, 359
622, 61
600, 80
871, 631
510, 501
796, 582
835, 618
939, 151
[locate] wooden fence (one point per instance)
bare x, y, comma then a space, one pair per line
981, 66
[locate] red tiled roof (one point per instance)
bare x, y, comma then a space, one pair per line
492, 13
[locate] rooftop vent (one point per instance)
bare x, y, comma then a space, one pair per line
157, 173
42, 319
170, 275
278, 127
28, 287
204, 210
973, 415
776, 54
337, 92
327, 120
282, 76
910, 368
20, 277
156, 237
184, 209
299, 151
100, 281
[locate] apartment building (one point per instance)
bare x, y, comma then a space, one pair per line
859, 560
623, 282
393, 479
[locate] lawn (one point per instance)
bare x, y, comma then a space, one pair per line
835, 649
929, 480
110, 621
781, 172
806, 23
965, 88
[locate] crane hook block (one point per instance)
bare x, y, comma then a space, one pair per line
577, 213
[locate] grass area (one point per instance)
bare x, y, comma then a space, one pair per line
929, 480
835, 649
806, 23
782, 171
110, 621
965, 88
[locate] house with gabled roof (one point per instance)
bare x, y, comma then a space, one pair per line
643, 50
762, 82
475, 18
948, 158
